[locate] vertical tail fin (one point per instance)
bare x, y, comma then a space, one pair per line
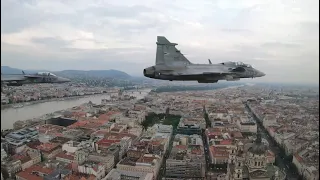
168, 54
209, 61
160, 54
164, 41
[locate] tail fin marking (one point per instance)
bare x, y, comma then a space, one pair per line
168, 54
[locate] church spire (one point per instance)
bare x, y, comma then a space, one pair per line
258, 140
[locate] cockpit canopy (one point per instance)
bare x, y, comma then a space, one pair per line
243, 64
228, 62
239, 64
45, 74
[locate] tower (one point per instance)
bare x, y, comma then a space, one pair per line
236, 163
276, 175
238, 168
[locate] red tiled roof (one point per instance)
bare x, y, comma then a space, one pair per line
272, 129
103, 117
215, 133
65, 156
219, 151
93, 123
196, 151
119, 135
237, 134
101, 132
23, 158
181, 146
79, 113
28, 175
59, 134
144, 159
107, 142
34, 144
226, 142
47, 147
69, 166
156, 141
107, 116
270, 153
79, 177
214, 129
298, 157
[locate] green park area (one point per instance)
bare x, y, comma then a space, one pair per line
162, 118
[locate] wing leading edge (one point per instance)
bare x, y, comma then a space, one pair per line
9, 78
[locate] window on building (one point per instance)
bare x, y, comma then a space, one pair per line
255, 163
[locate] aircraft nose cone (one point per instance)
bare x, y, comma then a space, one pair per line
64, 80
260, 74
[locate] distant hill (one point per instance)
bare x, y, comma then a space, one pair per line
73, 73
10, 70
94, 73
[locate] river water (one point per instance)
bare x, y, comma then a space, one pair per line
11, 115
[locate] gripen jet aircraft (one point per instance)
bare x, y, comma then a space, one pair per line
40, 77
173, 66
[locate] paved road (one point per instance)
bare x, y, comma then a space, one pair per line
206, 151
211, 174
162, 172
281, 163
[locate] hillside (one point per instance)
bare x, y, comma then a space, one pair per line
9, 70
73, 73
94, 73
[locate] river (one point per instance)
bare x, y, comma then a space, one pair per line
11, 115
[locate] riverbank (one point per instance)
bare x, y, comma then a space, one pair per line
8, 106
12, 115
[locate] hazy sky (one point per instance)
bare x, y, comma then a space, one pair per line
278, 37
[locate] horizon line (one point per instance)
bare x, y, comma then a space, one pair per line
141, 76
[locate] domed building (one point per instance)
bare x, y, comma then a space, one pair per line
250, 162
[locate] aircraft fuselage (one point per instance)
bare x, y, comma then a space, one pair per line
199, 72
21, 79
173, 66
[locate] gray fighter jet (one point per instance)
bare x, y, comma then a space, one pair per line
173, 66
40, 77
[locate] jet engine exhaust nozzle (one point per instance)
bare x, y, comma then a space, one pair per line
149, 72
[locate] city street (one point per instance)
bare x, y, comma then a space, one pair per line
281, 163
210, 172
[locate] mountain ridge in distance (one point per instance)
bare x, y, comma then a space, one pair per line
72, 73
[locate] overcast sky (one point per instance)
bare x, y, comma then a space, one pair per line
278, 37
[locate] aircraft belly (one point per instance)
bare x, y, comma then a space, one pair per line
191, 77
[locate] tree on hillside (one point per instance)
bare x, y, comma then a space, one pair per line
208, 122
167, 111
206, 117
